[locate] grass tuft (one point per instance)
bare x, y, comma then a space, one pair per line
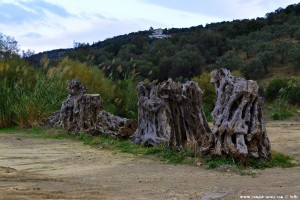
277, 160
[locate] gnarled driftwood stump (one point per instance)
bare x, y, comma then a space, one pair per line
82, 113
189, 128
152, 126
239, 129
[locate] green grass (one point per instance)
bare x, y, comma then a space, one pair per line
160, 152
9, 130
277, 160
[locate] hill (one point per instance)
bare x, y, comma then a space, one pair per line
253, 46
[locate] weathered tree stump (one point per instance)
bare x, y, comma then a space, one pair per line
239, 129
79, 112
115, 126
82, 113
189, 128
152, 126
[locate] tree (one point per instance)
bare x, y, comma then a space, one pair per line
266, 58
231, 60
8, 46
266, 55
282, 48
294, 55
186, 64
254, 69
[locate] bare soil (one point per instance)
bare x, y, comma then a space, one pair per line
64, 169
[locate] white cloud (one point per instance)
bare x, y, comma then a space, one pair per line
50, 24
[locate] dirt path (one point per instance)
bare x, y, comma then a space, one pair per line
64, 169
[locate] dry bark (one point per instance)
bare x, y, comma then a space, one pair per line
152, 126
82, 113
79, 111
239, 129
115, 126
189, 128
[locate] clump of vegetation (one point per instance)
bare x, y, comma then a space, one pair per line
282, 93
27, 107
119, 95
209, 95
277, 160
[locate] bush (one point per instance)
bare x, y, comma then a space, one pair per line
27, 107
209, 97
253, 69
119, 95
126, 97
90, 76
273, 88
291, 93
36, 104
7, 101
287, 88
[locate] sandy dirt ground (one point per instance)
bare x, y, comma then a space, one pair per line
63, 169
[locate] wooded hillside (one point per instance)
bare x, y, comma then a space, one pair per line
252, 46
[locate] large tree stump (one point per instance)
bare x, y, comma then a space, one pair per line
82, 113
79, 112
152, 126
239, 129
189, 128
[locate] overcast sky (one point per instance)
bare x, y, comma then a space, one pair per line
42, 25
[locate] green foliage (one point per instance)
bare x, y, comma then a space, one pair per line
276, 160
280, 109
119, 95
254, 69
8, 47
6, 104
291, 93
36, 104
273, 88
91, 77
287, 89
287, 92
231, 60
126, 97
209, 96
251, 46
27, 107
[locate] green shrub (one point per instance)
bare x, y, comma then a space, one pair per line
291, 93
209, 97
280, 109
126, 97
36, 104
7, 101
273, 88
287, 88
26, 107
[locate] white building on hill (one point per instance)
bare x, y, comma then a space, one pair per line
158, 33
